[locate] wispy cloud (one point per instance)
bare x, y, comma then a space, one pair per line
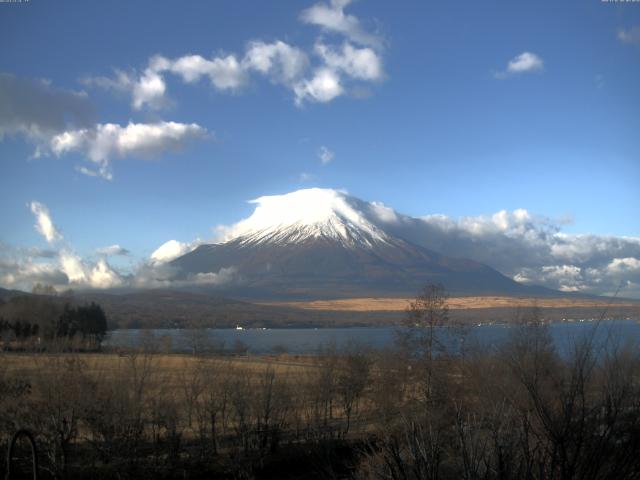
630, 35
599, 81
305, 177
44, 224
526, 62
331, 17
325, 155
113, 250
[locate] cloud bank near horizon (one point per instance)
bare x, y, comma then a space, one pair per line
62, 268
529, 248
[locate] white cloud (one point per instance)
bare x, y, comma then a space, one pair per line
382, 212
225, 73
305, 177
72, 266
345, 63
325, 155
630, 35
23, 267
59, 121
113, 250
524, 246
103, 276
332, 18
68, 270
90, 173
149, 90
44, 225
280, 61
150, 275
106, 141
524, 63
620, 265
567, 277
171, 250
24, 272
359, 63
323, 87
84, 275
223, 276
527, 247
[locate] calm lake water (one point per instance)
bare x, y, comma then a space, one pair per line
309, 341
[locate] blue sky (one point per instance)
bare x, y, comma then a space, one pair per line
431, 120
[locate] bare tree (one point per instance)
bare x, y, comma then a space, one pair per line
421, 338
353, 377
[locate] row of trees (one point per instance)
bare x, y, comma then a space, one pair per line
85, 321
20, 330
88, 321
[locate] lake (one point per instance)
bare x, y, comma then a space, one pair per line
309, 340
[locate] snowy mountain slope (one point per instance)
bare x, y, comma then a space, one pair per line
320, 242
308, 214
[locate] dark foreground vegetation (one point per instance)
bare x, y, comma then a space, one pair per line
414, 412
33, 324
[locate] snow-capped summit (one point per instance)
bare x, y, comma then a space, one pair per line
308, 214
325, 243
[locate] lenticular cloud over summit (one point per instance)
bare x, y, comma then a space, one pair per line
313, 212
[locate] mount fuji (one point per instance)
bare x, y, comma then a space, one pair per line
323, 243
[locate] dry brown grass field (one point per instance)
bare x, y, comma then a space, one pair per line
169, 367
455, 303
